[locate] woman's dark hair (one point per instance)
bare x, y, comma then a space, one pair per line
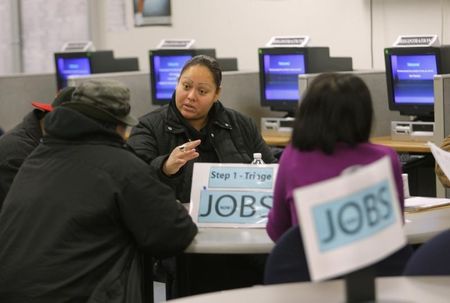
208, 62
336, 108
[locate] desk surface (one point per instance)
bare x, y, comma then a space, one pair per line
402, 146
391, 289
422, 226
419, 227
231, 241
276, 140
399, 146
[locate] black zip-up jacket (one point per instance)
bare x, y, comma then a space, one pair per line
15, 146
233, 137
79, 215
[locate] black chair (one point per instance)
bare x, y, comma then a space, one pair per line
432, 258
287, 260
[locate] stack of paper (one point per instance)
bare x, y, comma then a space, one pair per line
442, 158
415, 204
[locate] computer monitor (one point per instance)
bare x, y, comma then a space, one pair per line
410, 75
90, 62
68, 64
279, 68
165, 68
278, 74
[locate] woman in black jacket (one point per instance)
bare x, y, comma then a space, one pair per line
196, 127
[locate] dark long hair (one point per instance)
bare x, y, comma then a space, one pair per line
336, 108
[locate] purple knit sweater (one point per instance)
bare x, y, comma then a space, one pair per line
299, 168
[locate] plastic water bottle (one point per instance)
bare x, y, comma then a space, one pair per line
257, 159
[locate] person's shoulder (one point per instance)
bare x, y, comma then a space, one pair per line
15, 140
292, 152
123, 161
127, 169
7, 145
156, 112
154, 116
237, 117
381, 149
126, 153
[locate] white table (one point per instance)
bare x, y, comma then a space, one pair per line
419, 227
231, 241
392, 289
422, 226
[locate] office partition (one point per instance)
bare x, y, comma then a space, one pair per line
376, 82
17, 93
240, 91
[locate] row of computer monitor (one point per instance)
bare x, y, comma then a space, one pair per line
409, 77
409, 73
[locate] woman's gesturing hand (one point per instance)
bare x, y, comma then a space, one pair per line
179, 156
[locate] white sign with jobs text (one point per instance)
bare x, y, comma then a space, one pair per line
232, 195
350, 221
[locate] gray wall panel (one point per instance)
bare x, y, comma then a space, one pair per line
240, 91
17, 93
376, 82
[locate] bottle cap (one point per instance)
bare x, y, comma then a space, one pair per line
257, 155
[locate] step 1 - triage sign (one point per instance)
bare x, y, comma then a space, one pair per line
232, 195
351, 221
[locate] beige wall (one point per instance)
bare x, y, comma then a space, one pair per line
236, 28
357, 28
392, 18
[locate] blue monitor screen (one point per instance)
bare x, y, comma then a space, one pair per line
167, 70
413, 78
72, 66
281, 76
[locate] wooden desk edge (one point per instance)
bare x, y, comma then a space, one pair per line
419, 209
402, 146
397, 145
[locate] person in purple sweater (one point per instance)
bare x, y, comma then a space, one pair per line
330, 133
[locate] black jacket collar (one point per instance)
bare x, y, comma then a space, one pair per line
177, 123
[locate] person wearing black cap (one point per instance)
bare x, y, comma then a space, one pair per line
79, 231
20, 141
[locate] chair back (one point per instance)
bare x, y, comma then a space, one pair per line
432, 258
287, 260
